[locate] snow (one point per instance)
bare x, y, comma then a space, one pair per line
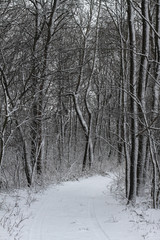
79, 210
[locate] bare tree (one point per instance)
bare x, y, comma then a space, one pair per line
142, 86
133, 105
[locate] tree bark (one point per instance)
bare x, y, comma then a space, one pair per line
143, 74
133, 106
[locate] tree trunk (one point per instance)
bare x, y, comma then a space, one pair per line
125, 123
133, 107
143, 74
156, 102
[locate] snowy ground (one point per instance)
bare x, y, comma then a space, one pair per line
79, 210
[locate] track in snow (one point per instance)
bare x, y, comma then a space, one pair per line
81, 210
70, 212
98, 228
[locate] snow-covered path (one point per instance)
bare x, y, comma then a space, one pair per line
81, 210
68, 212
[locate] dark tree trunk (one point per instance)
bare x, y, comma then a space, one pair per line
133, 107
143, 74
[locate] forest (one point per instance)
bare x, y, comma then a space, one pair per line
79, 91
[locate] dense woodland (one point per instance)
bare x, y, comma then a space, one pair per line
79, 89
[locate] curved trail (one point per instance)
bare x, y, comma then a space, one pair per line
68, 212
81, 210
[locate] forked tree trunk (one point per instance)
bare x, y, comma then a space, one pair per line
3, 142
87, 123
38, 85
88, 153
